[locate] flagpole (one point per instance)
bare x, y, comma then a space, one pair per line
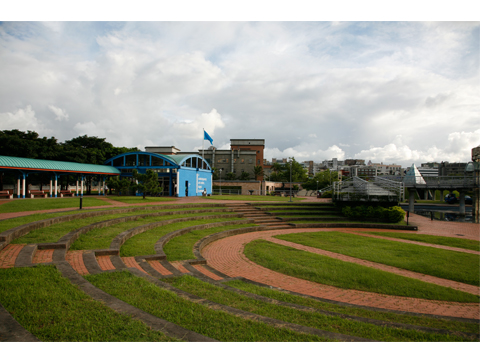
203, 144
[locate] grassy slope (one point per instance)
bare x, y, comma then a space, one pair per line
48, 204
144, 243
356, 311
52, 309
325, 270
441, 263
196, 317
311, 319
181, 247
432, 239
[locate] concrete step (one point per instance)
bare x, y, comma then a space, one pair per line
271, 220
279, 227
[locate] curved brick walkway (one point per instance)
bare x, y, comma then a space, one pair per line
226, 256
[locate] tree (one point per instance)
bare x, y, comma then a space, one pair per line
121, 185
230, 176
28, 144
148, 182
324, 178
90, 150
258, 172
244, 176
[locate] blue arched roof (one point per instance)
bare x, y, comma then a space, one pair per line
182, 160
139, 158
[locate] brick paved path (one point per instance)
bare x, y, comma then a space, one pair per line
226, 256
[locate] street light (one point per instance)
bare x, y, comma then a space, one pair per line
291, 162
220, 181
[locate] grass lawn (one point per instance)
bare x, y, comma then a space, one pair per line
302, 317
432, 239
54, 232
325, 270
144, 243
102, 237
22, 220
249, 198
48, 204
355, 311
313, 221
193, 316
181, 247
139, 199
52, 309
441, 263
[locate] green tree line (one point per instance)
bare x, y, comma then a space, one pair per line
82, 149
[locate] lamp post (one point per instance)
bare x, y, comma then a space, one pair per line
220, 181
291, 162
317, 188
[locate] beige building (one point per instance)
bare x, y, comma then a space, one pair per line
243, 156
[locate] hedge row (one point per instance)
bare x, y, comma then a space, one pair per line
392, 214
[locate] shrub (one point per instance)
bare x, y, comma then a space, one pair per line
327, 194
392, 214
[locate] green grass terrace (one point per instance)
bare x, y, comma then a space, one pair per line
143, 272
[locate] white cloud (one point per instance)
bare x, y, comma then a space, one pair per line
87, 128
194, 128
313, 90
60, 114
20, 119
457, 149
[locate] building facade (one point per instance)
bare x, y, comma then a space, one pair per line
178, 175
242, 157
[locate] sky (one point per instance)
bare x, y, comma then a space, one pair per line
398, 92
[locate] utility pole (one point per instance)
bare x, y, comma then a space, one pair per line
220, 181
291, 163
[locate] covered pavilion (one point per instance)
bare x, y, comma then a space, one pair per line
22, 167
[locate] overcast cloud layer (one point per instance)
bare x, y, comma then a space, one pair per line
388, 92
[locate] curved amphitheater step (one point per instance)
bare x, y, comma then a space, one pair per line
85, 262
259, 216
226, 255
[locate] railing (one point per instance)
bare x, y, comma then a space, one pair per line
358, 189
450, 181
396, 187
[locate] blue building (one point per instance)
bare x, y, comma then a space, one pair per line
179, 175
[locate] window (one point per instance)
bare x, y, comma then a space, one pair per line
157, 161
130, 160
143, 160
118, 162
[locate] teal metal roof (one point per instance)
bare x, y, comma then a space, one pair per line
177, 158
10, 162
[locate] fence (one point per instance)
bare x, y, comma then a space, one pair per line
357, 189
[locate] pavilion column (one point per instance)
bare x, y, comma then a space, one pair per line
18, 187
461, 207
50, 190
81, 187
104, 189
56, 183
23, 186
411, 200
76, 188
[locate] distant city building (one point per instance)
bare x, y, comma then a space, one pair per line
451, 169
351, 162
385, 169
